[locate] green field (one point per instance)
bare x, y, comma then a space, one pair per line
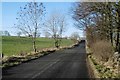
15, 45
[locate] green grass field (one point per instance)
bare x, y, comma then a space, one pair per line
14, 45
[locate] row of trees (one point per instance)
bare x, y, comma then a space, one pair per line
101, 21
31, 18
4, 33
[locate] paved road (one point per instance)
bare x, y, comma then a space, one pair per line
68, 63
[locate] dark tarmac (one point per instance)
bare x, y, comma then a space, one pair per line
67, 63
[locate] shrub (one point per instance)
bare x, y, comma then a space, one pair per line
102, 50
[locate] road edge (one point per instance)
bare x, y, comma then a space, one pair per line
93, 73
17, 60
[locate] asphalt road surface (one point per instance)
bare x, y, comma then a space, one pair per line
68, 63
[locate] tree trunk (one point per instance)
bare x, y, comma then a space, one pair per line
117, 41
111, 36
34, 45
56, 44
118, 32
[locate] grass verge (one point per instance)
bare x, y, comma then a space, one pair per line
99, 69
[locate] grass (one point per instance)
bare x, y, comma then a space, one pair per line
13, 45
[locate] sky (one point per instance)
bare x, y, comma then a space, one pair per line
10, 9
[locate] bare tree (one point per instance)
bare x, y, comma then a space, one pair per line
118, 27
47, 34
101, 21
19, 34
30, 19
96, 17
75, 36
55, 25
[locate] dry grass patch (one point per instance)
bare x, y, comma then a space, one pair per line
102, 50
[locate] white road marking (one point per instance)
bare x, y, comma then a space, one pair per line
48, 66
